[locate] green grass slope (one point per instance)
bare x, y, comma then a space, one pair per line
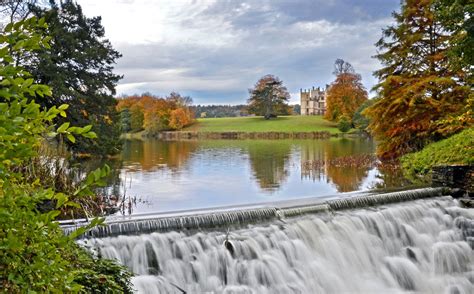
457, 149
259, 124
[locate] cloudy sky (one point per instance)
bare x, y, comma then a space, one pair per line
214, 50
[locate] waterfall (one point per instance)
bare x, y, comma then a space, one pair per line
238, 217
422, 246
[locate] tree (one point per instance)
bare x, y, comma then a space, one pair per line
78, 67
269, 97
180, 101
345, 94
419, 91
17, 9
136, 118
344, 124
155, 114
178, 119
361, 121
456, 17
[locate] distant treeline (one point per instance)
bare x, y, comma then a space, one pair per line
227, 110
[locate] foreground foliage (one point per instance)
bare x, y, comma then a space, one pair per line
35, 254
458, 149
424, 90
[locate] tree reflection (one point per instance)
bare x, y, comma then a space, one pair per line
154, 154
344, 162
268, 160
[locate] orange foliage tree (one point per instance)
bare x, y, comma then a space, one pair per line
345, 94
154, 114
418, 90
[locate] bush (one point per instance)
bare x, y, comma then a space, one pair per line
457, 149
36, 256
361, 122
344, 125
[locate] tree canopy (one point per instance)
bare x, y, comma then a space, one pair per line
154, 114
269, 97
345, 94
419, 89
78, 67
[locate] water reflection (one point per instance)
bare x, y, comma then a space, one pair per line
154, 154
269, 163
344, 162
190, 174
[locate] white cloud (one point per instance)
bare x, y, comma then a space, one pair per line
220, 48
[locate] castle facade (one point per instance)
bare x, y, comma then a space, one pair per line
313, 101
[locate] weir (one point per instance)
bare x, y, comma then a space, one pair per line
361, 244
237, 216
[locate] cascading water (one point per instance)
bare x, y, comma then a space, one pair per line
418, 246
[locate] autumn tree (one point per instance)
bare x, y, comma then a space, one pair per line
154, 114
419, 90
345, 94
269, 97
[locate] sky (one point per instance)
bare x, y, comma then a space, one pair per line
215, 50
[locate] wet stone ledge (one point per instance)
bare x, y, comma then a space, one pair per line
458, 177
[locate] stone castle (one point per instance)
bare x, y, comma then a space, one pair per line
313, 101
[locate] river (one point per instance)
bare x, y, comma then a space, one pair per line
178, 175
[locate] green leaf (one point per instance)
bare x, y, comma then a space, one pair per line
63, 107
63, 127
60, 199
90, 135
87, 128
71, 138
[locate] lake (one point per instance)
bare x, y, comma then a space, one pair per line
164, 176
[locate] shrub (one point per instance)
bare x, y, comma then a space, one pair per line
457, 149
344, 125
35, 254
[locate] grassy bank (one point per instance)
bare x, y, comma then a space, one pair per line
458, 149
258, 124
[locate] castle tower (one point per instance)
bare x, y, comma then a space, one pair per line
313, 101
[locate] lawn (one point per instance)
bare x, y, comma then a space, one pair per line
259, 124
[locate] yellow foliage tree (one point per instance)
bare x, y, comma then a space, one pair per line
346, 93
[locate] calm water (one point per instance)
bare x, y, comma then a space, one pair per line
178, 175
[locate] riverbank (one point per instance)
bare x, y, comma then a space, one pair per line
455, 150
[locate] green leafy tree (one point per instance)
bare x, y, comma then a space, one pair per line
419, 90
456, 17
36, 256
136, 118
78, 67
125, 120
344, 124
269, 97
361, 121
